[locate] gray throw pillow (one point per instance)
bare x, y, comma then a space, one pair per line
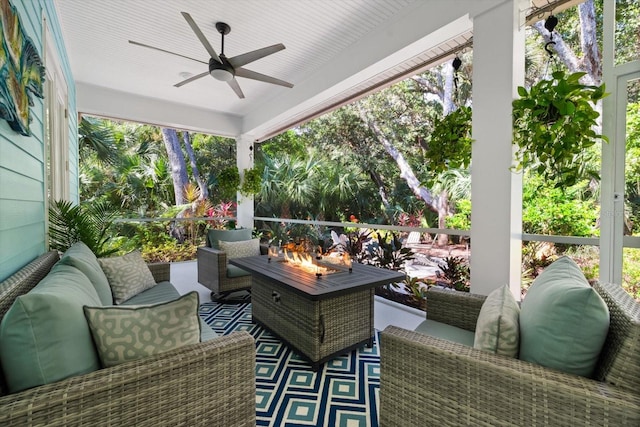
128, 275
240, 249
126, 333
498, 327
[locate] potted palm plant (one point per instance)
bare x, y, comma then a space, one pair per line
88, 223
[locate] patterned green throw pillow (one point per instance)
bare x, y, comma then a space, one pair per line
126, 333
240, 249
128, 275
498, 326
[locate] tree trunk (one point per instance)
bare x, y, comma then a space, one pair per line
377, 179
204, 191
406, 172
178, 165
443, 213
449, 90
564, 52
591, 61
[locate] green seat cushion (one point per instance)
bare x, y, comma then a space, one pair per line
128, 275
44, 337
237, 235
206, 333
563, 320
234, 271
446, 332
125, 333
498, 325
81, 257
162, 292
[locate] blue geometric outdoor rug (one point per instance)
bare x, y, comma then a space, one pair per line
344, 392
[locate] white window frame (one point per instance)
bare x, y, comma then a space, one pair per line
56, 127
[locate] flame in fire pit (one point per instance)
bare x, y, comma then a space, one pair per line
306, 263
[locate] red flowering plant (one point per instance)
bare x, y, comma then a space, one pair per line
221, 215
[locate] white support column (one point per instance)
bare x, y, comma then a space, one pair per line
244, 147
496, 192
613, 153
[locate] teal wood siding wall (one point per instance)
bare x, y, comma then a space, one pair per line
23, 159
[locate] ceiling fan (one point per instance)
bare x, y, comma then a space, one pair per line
223, 68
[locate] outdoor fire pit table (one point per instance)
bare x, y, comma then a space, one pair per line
320, 317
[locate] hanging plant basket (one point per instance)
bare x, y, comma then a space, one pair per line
228, 182
450, 143
554, 125
252, 182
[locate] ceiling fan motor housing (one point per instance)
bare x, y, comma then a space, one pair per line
222, 71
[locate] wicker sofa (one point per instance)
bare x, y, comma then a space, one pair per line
438, 382
211, 383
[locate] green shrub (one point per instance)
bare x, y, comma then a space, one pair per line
548, 210
461, 220
170, 251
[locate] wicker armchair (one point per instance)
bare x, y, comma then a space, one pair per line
213, 273
429, 381
206, 384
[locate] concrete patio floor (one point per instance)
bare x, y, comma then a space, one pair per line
184, 276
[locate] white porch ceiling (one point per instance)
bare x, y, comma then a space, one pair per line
335, 50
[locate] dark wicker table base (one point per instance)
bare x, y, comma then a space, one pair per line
319, 330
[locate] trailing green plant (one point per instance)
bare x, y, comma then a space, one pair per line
450, 144
456, 272
252, 182
553, 127
88, 223
229, 182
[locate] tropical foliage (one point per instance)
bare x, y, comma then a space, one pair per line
89, 223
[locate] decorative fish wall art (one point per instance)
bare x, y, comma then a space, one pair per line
21, 71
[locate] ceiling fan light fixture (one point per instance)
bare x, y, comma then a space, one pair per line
222, 75
221, 71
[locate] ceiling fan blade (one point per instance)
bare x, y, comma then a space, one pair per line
166, 51
192, 78
236, 88
201, 36
254, 55
248, 74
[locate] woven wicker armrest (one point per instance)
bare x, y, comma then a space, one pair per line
213, 261
161, 271
205, 384
429, 381
460, 309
